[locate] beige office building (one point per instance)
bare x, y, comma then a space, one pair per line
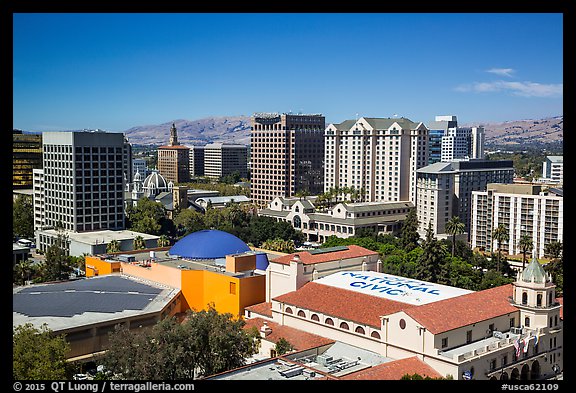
525, 209
287, 154
221, 159
378, 156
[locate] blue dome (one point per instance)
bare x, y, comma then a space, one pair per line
208, 244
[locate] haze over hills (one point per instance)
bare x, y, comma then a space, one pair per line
236, 129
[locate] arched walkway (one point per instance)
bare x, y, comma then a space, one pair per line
524, 374
535, 372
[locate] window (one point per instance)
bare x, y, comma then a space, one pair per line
527, 322
524, 298
375, 335
301, 314
344, 325
314, 317
445, 342
329, 321
492, 364
289, 310
468, 336
402, 324
360, 330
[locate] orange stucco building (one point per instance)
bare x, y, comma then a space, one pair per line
230, 287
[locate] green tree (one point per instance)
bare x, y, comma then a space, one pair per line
57, 261
556, 270
553, 249
283, 346
148, 217
113, 246
455, 227
188, 221
430, 263
279, 245
139, 243
409, 237
22, 271
23, 217
500, 234
38, 355
163, 241
525, 243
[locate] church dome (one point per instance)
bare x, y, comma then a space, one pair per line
155, 181
137, 176
534, 272
208, 244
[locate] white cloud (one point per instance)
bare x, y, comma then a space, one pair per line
524, 89
501, 71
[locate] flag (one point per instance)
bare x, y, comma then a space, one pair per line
526, 342
517, 346
536, 338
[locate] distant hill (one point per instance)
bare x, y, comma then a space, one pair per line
233, 129
525, 132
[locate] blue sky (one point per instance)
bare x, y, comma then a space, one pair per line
116, 71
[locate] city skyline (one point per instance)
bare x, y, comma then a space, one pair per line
117, 71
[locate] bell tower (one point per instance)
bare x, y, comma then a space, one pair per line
173, 136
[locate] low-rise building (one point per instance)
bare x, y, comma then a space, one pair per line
342, 220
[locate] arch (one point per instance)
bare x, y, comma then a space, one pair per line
527, 321
329, 321
539, 300
524, 298
289, 310
525, 373
344, 325
535, 371
493, 378
301, 314
315, 317
515, 376
359, 330
297, 222
504, 376
375, 335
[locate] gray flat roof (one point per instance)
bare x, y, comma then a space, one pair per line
99, 237
70, 304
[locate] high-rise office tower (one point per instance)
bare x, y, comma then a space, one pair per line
448, 142
196, 161
81, 182
221, 159
26, 156
287, 155
377, 156
174, 159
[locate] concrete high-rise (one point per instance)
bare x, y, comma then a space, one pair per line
81, 183
174, 159
444, 189
448, 142
376, 156
287, 155
221, 159
196, 161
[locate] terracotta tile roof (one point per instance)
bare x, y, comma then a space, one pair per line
342, 303
394, 370
353, 251
174, 147
264, 308
300, 339
448, 314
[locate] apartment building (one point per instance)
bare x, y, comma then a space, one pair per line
525, 209
444, 189
287, 155
448, 142
221, 159
196, 161
378, 156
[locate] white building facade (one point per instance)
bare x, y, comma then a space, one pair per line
524, 209
378, 156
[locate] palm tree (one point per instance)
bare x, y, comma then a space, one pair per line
455, 227
525, 243
23, 269
139, 243
163, 241
500, 234
113, 246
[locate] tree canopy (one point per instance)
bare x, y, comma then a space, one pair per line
37, 354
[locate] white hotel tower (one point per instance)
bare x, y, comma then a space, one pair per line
377, 155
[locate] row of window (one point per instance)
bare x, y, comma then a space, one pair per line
330, 322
